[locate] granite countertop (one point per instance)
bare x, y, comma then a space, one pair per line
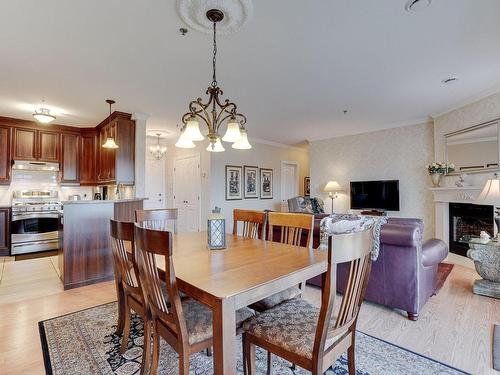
93, 201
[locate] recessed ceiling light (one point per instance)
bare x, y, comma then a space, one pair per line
417, 5
449, 80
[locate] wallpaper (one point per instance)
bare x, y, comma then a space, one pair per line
400, 154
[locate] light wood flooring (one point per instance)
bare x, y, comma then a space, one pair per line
455, 327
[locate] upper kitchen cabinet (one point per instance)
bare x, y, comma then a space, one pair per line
88, 157
32, 144
70, 158
117, 165
5, 165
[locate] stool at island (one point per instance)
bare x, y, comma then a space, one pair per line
486, 257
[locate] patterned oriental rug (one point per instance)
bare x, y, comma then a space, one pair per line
84, 342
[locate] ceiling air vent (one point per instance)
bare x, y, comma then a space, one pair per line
417, 5
450, 80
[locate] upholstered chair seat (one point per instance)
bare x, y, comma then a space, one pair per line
290, 325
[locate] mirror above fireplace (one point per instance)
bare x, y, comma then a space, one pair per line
474, 149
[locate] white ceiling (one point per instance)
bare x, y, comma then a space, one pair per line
292, 69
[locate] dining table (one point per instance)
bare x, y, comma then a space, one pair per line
246, 271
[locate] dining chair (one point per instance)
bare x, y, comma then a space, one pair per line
254, 223
128, 289
287, 228
157, 219
186, 325
315, 338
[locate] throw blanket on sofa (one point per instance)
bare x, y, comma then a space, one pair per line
343, 223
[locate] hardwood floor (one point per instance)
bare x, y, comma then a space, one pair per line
455, 327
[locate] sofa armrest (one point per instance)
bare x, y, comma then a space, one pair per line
403, 235
433, 252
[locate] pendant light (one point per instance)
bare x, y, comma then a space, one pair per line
158, 151
110, 141
43, 115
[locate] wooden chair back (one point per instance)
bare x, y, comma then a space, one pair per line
253, 223
149, 244
157, 219
292, 227
123, 249
355, 249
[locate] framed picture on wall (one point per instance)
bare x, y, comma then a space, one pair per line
250, 182
233, 182
307, 186
266, 183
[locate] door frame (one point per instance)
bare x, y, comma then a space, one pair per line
297, 177
198, 157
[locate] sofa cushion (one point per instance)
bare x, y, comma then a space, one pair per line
433, 252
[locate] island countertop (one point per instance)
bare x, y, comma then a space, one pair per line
94, 201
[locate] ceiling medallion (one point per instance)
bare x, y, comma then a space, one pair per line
214, 112
236, 14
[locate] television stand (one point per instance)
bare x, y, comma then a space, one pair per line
374, 213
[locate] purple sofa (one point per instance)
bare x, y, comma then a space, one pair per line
405, 274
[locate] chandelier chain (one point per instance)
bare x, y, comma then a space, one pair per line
214, 60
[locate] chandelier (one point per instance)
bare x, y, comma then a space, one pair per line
110, 141
158, 151
43, 115
214, 112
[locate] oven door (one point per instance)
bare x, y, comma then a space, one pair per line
34, 231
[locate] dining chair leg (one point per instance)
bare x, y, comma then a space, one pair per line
126, 330
156, 351
351, 361
184, 363
121, 309
146, 352
209, 352
269, 363
249, 349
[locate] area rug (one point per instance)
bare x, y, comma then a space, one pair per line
496, 348
84, 342
444, 270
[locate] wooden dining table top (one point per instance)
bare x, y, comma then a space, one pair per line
243, 265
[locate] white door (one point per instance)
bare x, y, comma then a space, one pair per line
289, 183
155, 183
187, 187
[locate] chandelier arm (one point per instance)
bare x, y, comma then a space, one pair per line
201, 108
207, 122
223, 111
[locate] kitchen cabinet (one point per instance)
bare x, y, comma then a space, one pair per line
4, 231
5, 165
88, 156
70, 158
32, 144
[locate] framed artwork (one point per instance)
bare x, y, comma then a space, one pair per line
307, 186
250, 175
233, 182
266, 183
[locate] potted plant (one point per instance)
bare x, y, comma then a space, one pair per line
437, 170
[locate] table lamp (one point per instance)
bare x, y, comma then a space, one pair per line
332, 188
491, 195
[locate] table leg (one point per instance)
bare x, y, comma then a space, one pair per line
224, 328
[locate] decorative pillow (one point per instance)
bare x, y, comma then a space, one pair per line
318, 206
305, 205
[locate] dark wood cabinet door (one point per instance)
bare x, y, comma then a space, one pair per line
4, 231
24, 145
88, 159
48, 146
5, 164
70, 158
112, 154
103, 155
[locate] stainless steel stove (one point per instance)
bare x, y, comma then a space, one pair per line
35, 221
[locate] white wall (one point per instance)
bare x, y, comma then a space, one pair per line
481, 111
262, 156
399, 153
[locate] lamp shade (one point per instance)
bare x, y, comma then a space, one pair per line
192, 130
110, 143
184, 141
216, 146
242, 143
491, 193
233, 131
332, 186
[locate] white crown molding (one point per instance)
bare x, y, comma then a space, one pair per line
276, 144
469, 100
392, 125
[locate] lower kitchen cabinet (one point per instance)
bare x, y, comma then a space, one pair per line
4, 231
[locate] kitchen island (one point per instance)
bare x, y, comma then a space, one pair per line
85, 252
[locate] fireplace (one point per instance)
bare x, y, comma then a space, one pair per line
467, 221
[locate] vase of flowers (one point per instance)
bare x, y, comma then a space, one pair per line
437, 170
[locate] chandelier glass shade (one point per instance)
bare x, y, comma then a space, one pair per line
43, 115
158, 151
215, 112
184, 141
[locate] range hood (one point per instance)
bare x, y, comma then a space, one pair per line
26, 165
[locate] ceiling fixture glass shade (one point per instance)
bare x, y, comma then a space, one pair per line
158, 151
215, 146
233, 132
184, 141
110, 141
242, 143
215, 111
43, 115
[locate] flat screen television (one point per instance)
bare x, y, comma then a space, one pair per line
375, 195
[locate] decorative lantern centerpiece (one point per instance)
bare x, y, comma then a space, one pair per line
216, 230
